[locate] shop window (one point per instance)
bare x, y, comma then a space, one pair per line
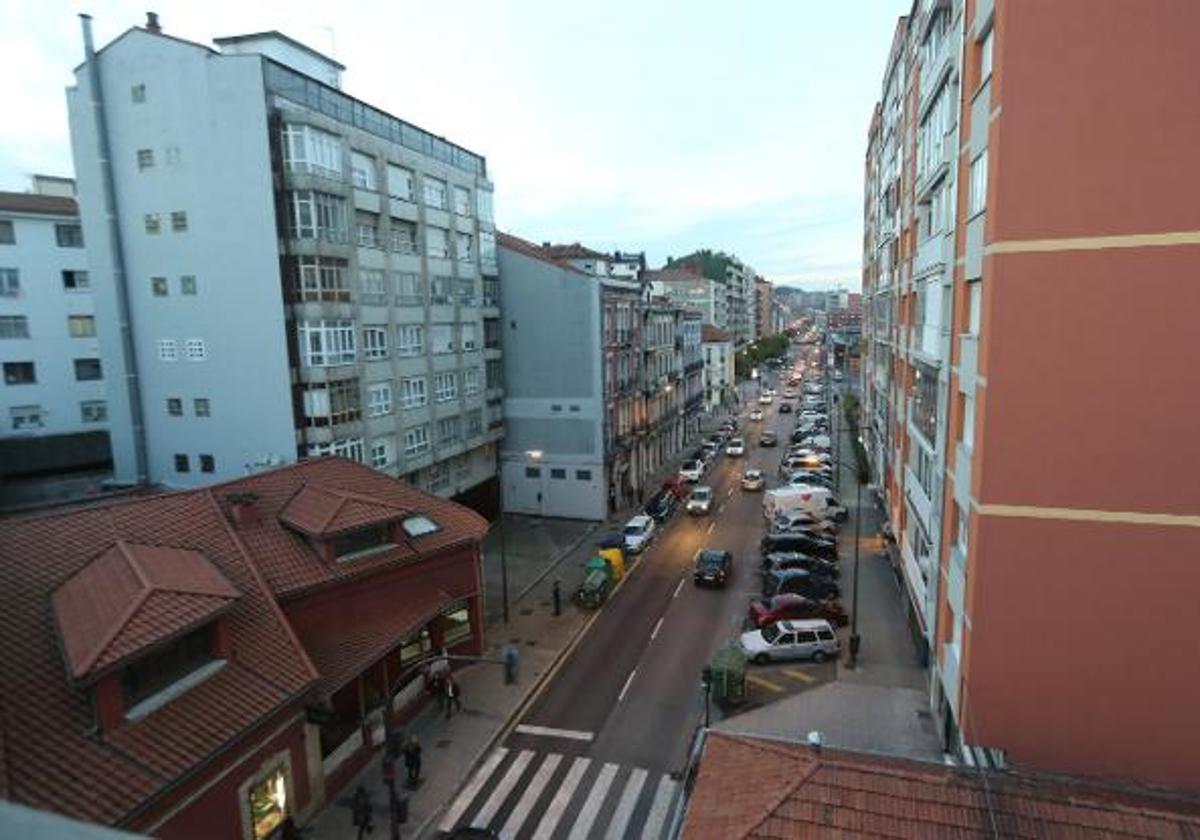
268, 804
415, 647
458, 625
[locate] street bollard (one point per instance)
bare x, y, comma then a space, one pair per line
557, 597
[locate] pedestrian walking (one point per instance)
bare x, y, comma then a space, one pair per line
453, 697
364, 816
412, 760
437, 674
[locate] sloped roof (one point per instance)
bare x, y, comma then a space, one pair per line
321, 511
710, 333
675, 274
574, 251
759, 788
47, 205
131, 597
537, 252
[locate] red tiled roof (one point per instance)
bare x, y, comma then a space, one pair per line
758, 788
710, 333
47, 205
131, 597
537, 252
574, 251
676, 273
324, 511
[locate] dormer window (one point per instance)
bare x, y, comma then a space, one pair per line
419, 526
152, 680
363, 541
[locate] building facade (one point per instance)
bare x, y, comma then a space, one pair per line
717, 346
1006, 213
686, 287
295, 264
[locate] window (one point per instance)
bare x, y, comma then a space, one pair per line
68, 235
373, 283
145, 158
153, 223
445, 387
469, 335
362, 540
416, 439
483, 203
379, 399
464, 246
487, 245
495, 374
327, 342
207, 464
182, 464
466, 291
317, 215
448, 430
268, 804
533, 472
418, 526
985, 56
968, 422
25, 417
410, 340
462, 201
81, 326
475, 422
351, 448
8, 235
366, 226
558, 473
975, 307
187, 284
158, 285
14, 326
457, 625
441, 291
309, 149
470, 378
201, 407
76, 281
179, 221
174, 406
434, 192
93, 411
978, 184
362, 170
410, 289
491, 296
330, 403
137, 94
399, 182
10, 282
412, 392
404, 237
441, 338
414, 647
437, 242
155, 671
583, 475
195, 350
321, 278
167, 351
375, 342
381, 454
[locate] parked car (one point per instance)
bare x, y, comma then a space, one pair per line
765, 398
801, 582
711, 451
638, 533
791, 606
753, 480
756, 414
813, 639
811, 477
662, 505
700, 502
691, 471
768, 438
793, 463
785, 408
802, 520
712, 567
789, 394
816, 441
783, 560
736, 447
805, 543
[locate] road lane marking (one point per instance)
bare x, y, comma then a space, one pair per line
711, 526
628, 680
591, 808
657, 627
561, 799
767, 684
472, 790
629, 798
720, 510
677, 588
730, 493
799, 675
489, 809
658, 810
517, 818
551, 732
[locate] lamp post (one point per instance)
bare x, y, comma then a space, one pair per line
533, 455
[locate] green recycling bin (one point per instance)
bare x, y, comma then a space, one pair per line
594, 589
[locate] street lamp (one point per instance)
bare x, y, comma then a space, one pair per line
534, 455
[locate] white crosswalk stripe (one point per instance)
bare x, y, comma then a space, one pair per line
591, 807
502, 790
469, 793
517, 818
657, 818
629, 798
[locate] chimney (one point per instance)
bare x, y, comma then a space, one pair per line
244, 507
152, 23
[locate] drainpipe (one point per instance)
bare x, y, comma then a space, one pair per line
132, 382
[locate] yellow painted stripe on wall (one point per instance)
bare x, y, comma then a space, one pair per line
1094, 243
1125, 517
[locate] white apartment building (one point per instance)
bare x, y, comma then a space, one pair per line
303, 272
717, 345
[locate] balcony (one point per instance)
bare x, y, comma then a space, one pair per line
935, 70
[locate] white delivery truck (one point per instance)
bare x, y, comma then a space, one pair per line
818, 501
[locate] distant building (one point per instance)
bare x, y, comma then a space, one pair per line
686, 287
764, 308
718, 368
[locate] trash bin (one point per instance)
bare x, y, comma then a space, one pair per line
728, 669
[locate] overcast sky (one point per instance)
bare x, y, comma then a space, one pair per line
656, 125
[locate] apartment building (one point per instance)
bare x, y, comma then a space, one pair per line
741, 300
764, 308
1008, 209
53, 406
303, 273
717, 346
687, 287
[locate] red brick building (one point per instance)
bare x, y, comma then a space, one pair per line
201, 664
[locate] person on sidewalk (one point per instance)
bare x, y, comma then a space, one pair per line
412, 760
437, 674
364, 816
453, 697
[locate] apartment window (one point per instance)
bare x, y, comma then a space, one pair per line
81, 326
330, 403
410, 340
445, 387
187, 284
88, 370
487, 245
195, 350
416, 439
158, 285
14, 326
375, 342
558, 473
153, 223
379, 399
321, 278
179, 221
410, 289
448, 430
462, 201
404, 237
434, 192
327, 342
137, 94
93, 411
174, 406
8, 235
470, 382
495, 374
201, 407
978, 184
76, 281
351, 448
975, 306
474, 422
182, 464
145, 158
68, 236
366, 226
583, 475
317, 215
441, 338
464, 246
25, 417
469, 334
441, 291
167, 350
925, 397
483, 204
362, 170
10, 282
968, 422
309, 149
412, 392
400, 181
207, 464
381, 454
437, 242
533, 472
985, 56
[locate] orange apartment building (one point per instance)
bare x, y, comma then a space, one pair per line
1057, 290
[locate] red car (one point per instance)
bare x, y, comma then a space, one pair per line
789, 606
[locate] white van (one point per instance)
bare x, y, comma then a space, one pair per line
818, 501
